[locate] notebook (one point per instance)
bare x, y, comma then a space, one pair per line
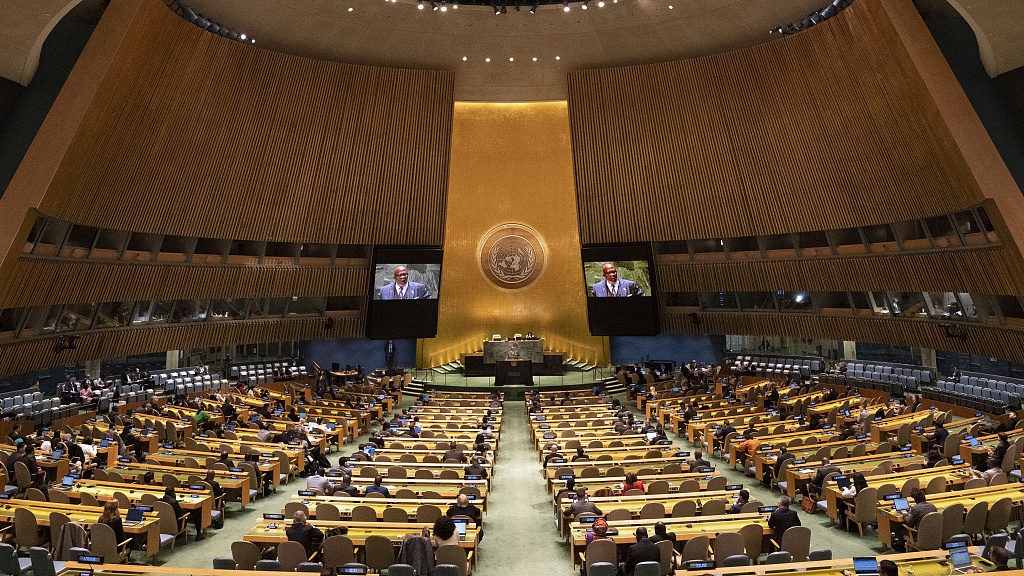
865, 566
134, 516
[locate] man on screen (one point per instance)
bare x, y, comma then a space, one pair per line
612, 286
402, 288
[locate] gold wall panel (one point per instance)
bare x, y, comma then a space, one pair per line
511, 163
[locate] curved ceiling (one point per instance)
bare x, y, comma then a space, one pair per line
380, 32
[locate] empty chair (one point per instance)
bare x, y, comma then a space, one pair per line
650, 568
974, 522
936, 485
364, 514
11, 564
752, 541
652, 511
338, 551
797, 541
865, 509
290, 555
456, 555
619, 514
952, 521
734, 560
684, 509
819, 555
729, 544
999, 516
268, 565
780, 557
713, 507
696, 549
380, 552
245, 554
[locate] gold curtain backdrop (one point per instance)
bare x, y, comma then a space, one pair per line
511, 164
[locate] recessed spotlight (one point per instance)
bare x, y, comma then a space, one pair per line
584, 6
487, 59
419, 6
464, 58
600, 4
252, 41
558, 57
350, 9
511, 59
455, 6
534, 58
669, 6
242, 36
444, 8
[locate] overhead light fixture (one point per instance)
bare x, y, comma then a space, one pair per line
420, 5
242, 36
566, 4
584, 6
533, 9
444, 6
600, 3
433, 5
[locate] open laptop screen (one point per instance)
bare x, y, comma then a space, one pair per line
866, 565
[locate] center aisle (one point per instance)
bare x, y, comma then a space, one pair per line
519, 525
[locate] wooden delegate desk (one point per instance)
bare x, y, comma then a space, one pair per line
626, 439
447, 489
346, 504
271, 532
635, 503
615, 483
145, 439
956, 476
175, 457
978, 454
603, 465
882, 430
922, 444
822, 409
145, 533
296, 454
674, 418
888, 517
765, 459
684, 528
775, 442
233, 483
698, 427
926, 563
412, 467
183, 428
620, 453
104, 491
801, 475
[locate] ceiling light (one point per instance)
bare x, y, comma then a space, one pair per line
420, 6
600, 4
444, 8
566, 3
242, 36
584, 5
350, 9
669, 6
455, 6
534, 58
533, 9
511, 59
487, 59
558, 57
464, 58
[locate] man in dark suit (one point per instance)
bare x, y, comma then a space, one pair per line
378, 488
454, 454
783, 518
612, 286
643, 551
780, 460
463, 507
920, 508
1000, 450
402, 288
826, 468
304, 534
698, 461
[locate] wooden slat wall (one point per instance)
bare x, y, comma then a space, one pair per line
35, 282
1005, 343
826, 129
978, 271
21, 356
196, 135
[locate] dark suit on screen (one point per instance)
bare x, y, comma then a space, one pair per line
413, 291
623, 288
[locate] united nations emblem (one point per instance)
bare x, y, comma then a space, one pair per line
511, 256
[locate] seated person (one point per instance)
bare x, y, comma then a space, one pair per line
445, 533
814, 488
698, 461
643, 551
782, 518
463, 507
309, 536
475, 469
582, 505
661, 533
737, 506
378, 488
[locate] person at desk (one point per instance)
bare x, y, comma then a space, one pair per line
781, 459
938, 436
772, 398
445, 533
919, 510
582, 505
552, 454
580, 455
317, 482
814, 488
643, 551
888, 568
456, 454
857, 483
661, 533
632, 483
1000, 556
15, 436
612, 286
346, 485
659, 435
402, 288
211, 479
1011, 423
378, 488
463, 507
933, 457
992, 469
111, 516
195, 516
698, 461
737, 506
309, 536
782, 518
999, 452
747, 449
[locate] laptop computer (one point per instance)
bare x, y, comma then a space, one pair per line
974, 442
901, 504
133, 517
67, 482
56, 455
865, 566
842, 481
461, 525
961, 559
651, 435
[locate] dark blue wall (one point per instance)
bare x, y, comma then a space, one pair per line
367, 353
678, 347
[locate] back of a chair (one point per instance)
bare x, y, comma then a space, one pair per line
713, 507
929, 532
245, 554
728, 544
42, 562
667, 560
395, 514
797, 541
597, 551
290, 555
338, 550
652, 511
35, 494
865, 505
103, 541
647, 569
696, 548
952, 520
26, 531
380, 552
168, 521
936, 485
660, 487
456, 555
327, 511
999, 515
974, 522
